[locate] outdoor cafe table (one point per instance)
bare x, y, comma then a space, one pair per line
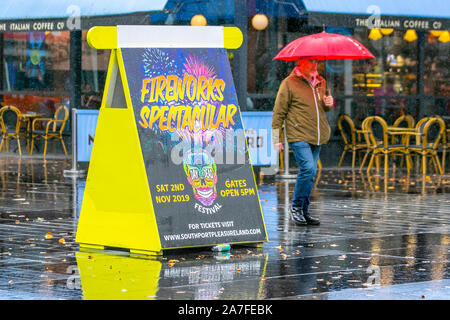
401, 129
28, 119
405, 133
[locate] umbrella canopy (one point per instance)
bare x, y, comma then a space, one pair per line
324, 46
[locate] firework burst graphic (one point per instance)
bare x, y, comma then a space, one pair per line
198, 68
158, 63
202, 138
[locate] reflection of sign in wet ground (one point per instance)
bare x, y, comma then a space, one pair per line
213, 279
170, 166
128, 277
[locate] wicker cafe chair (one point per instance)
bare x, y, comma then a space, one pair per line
379, 146
405, 118
443, 146
428, 138
10, 125
405, 121
417, 130
446, 145
53, 128
367, 138
351, 137
399, 123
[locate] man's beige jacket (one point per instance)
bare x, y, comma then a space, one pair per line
303, 109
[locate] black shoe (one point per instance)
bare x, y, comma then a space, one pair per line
310, 220
297, 216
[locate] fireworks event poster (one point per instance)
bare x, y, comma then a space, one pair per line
193, 145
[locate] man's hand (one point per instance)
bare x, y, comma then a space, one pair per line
328, 100
278, 147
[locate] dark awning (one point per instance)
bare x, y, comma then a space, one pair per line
58, 15
397, 14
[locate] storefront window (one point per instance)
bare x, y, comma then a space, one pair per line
36, 71
387, 81
35, 61
436, 78
264, 74
395, 64
385, 86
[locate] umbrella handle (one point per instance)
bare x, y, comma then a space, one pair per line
327, 90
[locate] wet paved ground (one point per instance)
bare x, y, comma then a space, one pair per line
380, 238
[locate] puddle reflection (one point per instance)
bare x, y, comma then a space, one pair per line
115, 275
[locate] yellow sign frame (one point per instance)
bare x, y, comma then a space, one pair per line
107, 197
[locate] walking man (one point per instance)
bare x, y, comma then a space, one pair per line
301, 102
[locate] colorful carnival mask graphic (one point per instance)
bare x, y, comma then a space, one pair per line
201, 173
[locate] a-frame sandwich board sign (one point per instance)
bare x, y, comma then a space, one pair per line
169, 165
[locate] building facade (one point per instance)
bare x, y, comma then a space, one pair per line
41, 65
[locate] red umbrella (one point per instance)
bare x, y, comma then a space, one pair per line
324, 46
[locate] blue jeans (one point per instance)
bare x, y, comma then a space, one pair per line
307, 156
